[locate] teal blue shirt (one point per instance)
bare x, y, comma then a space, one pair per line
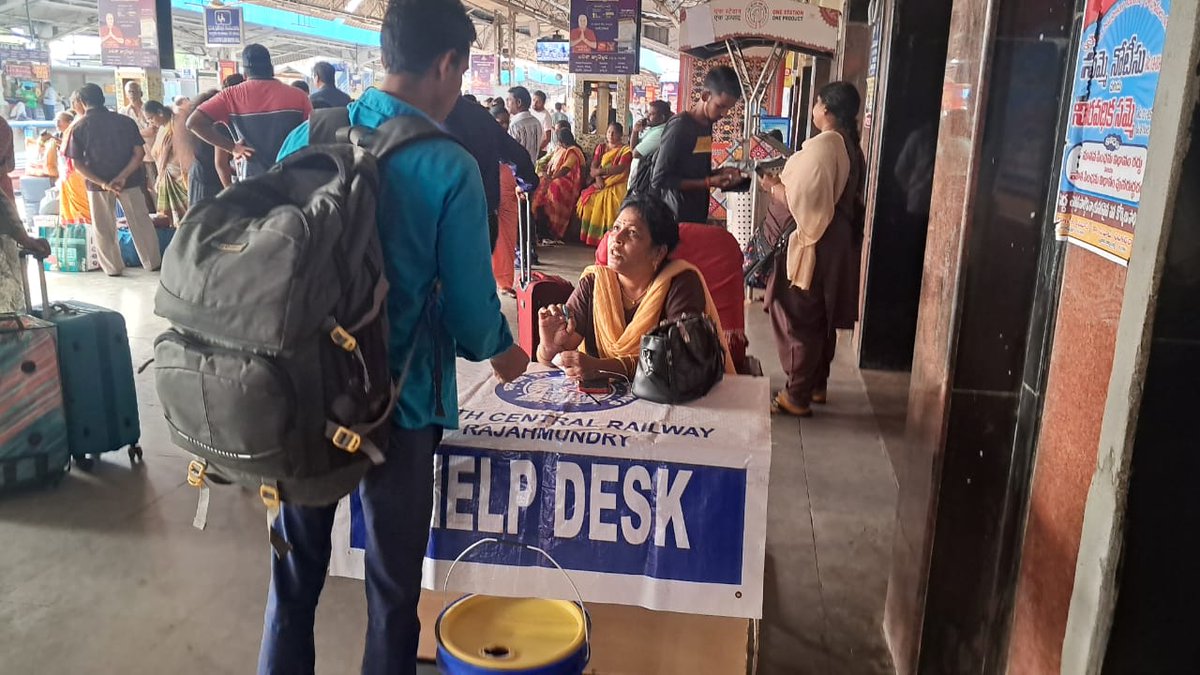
432, 225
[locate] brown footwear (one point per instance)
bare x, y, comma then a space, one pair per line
782, 405
820, 397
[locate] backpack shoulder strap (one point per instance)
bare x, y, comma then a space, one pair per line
401, 131
325, 123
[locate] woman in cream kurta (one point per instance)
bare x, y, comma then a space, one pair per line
813, 289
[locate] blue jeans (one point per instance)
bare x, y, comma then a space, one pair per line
397, 501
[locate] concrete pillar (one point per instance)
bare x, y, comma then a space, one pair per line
963, 471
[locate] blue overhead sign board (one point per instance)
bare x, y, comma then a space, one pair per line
223, 26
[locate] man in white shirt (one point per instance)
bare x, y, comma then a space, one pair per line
49, 100
545, 117
523, 126
560, 113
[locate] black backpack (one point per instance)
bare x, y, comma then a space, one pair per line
275, 369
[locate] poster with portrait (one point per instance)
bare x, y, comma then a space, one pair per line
1108, 134
483, 73
605, 37
128, 33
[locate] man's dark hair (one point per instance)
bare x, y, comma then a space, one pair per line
540, 94
156, 108
660, 220
723, 80
415, 33
91, 95
232, 80
471, 98
662, 107
521, 94
324, 72
498, 110
301, 85
559, 106
256, 61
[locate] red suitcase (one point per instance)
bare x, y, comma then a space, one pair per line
534, 289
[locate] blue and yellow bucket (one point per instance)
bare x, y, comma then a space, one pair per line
483, 634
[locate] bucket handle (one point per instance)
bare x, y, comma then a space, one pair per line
493, 540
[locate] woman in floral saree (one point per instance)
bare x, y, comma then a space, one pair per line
171, 184
555, 199
599, 204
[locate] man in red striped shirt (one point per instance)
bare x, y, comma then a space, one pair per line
261, 112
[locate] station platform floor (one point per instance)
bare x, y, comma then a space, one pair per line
106, 574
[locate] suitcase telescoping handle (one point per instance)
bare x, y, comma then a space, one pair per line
41, 270
525, 237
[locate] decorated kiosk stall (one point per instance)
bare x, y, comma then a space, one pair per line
764, 29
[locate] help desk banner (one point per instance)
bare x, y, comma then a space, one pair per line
659, 506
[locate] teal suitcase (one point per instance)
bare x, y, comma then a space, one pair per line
97, 380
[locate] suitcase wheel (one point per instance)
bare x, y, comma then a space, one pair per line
85, 462
135, 453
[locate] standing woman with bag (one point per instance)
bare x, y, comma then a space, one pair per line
812, 290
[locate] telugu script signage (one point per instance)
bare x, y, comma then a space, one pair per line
643, 504
128, 33
605, 36
1108, 133
21, 63
796, 24
223, 26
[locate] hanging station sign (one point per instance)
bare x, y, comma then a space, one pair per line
1108, 134
223, 26
605, 37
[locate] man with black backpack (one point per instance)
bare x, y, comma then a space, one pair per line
432, 219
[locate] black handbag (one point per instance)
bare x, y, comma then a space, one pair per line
680, 360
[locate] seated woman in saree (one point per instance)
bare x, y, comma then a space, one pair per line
599, 203
812, 289
598, 333
171, 151
556, 196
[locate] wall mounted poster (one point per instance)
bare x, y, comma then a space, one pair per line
605, 36
1108, 134
483, 73
128, 33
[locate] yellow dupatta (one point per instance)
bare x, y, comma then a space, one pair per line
617, 340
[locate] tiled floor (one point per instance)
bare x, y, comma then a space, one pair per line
106, 575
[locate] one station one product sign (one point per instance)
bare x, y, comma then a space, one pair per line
1108, 135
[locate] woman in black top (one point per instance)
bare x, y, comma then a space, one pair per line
205, 180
